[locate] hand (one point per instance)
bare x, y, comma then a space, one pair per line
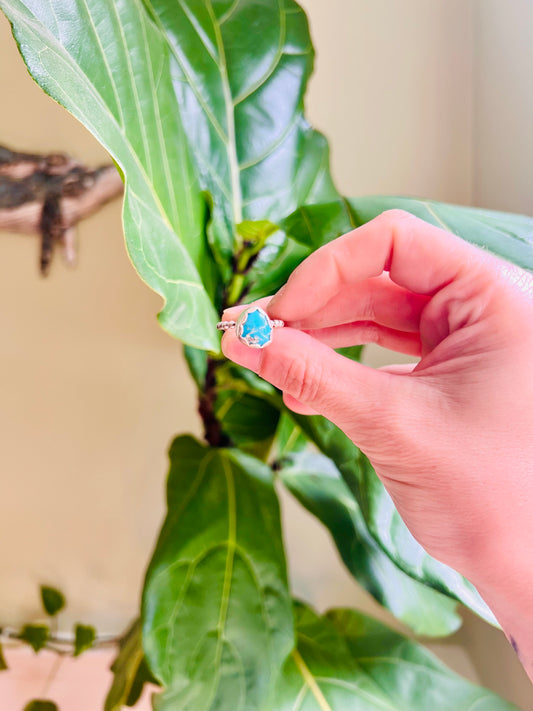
452, 437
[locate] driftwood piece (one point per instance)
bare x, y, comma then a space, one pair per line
49, 195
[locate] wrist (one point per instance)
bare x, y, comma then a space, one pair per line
506, 585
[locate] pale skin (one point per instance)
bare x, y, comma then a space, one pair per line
451, 437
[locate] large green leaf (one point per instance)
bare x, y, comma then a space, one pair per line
218, 618
107, 63
382, 519
316, 483
200, 102
506, 235
240, 73
347, 660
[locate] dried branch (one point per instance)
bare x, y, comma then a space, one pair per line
49, 195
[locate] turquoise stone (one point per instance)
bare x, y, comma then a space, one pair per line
254, 329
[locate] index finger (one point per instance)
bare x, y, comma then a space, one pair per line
418, 256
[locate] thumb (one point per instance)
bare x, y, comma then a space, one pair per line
358, 399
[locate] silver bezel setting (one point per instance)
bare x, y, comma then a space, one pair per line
249, 340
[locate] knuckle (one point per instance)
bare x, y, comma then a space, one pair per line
303, 379
396, 215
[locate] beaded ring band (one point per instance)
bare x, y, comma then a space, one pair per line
253, 327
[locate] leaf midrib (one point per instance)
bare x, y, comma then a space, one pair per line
310, 681
227, 139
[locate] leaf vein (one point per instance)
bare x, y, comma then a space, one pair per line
272, 68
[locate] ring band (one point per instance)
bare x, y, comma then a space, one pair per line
226, 325
253, 327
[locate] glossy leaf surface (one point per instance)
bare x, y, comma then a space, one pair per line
346, 660
218, 617
506, 235
195, 101
240, 71
315, 481
383, 521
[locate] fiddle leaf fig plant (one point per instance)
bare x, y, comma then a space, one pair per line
227, 188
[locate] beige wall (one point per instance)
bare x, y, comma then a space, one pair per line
92, 390
503, 106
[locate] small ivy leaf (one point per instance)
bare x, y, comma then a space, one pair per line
3, 663
53, 600
41, 705
84, 636
35, 635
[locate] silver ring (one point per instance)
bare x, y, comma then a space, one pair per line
253, 327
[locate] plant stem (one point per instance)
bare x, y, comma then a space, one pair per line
52, 675
62, 644
235, 289
206, 407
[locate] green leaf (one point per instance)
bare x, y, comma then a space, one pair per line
143, 676
248, 409
315, 481
40, 705
270, 273
351, 352
110, 66
84, 636
196, 360
52, 599
383, 521
315, 225
35, 635
289, 437
241, 71
506, 235
3, 663
249, 421
256, 232
201, 106
217, 613
346, 660
234, 377
130, 671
